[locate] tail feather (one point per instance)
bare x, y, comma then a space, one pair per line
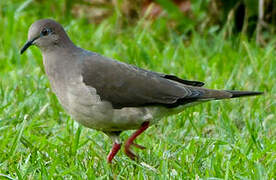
236, 94
204, 95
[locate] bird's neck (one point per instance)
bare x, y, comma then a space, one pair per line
58, 61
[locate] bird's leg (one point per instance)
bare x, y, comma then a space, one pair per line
130, 140
115, 149
116, 145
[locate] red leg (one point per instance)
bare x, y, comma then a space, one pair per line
130, 140
116, 147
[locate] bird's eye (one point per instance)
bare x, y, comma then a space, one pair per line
45, 32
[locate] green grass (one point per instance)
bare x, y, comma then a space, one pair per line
231, 139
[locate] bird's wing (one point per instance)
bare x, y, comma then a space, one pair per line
125, 85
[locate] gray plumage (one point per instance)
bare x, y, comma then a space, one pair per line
128, 86
109, 95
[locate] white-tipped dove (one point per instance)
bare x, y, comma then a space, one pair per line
112, 96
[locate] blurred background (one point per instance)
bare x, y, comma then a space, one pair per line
255, 18
226, 44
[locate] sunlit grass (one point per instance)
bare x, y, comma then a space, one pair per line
232, 139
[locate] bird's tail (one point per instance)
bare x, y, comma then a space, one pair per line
209, 94
204, 95
237, 94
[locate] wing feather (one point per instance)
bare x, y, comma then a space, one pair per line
128, 86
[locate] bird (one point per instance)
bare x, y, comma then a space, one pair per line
109, 95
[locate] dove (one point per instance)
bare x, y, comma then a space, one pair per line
111, 96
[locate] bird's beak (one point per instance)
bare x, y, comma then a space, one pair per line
27, 44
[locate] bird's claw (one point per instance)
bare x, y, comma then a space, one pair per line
138, 146
128, 151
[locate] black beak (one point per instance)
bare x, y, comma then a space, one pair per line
27, 44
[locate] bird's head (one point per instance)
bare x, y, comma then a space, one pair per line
46, 34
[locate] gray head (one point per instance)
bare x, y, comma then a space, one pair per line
47, 34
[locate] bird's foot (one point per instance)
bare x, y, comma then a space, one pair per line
128, 151
138, 146
116, 147
131, 139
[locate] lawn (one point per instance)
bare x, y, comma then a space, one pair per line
230, 139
